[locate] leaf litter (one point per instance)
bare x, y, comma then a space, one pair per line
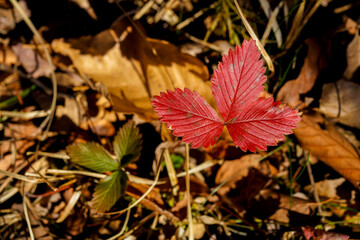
79, 181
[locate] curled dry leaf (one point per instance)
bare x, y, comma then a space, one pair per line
326, 143
290, 92
135, 68
347, 110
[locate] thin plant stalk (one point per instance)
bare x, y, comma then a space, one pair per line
187, 181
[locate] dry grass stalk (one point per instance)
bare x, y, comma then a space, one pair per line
258, 43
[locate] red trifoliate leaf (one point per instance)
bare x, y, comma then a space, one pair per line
261, 123
252, 123
238, 80
190, 116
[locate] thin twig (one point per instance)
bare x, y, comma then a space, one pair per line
26, 214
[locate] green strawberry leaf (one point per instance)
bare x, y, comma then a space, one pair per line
109, 190
92, 156
127, 144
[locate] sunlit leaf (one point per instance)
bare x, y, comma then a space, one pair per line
190, 116
127, 143
109, 190
92, 156
253, 122
238, 80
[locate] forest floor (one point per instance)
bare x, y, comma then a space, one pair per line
84, 154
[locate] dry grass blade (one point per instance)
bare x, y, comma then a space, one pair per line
52, 155
8, 194
171, 172
258, 43
272, 24
196, 15
29, 23
295, 24
124, 226
146, 8
26, 213
299, 23
70, 206
71, 172
25, 115
17, 176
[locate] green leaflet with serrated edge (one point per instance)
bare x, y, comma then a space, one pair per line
109, 190
92, 156
127, 143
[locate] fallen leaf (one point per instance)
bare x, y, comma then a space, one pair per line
327, 187
234, 171
340, 101
352, 57
101, 127
290, 92
321, 137
135, 68
315, 234
32, 61
272, 205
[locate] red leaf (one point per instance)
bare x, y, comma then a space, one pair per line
252, 123
261, 123
190, 116
238, 80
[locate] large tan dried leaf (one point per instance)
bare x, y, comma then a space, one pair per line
343, 93
290, 92
135, 68
321, 137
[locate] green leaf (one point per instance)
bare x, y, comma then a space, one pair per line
127, 144
92, 156
109, 190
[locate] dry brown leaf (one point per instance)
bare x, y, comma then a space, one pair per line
327, 187
240, 167
352, 57
282, 204
32, 61
135, 68
348, 93
290, 92
326, 143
